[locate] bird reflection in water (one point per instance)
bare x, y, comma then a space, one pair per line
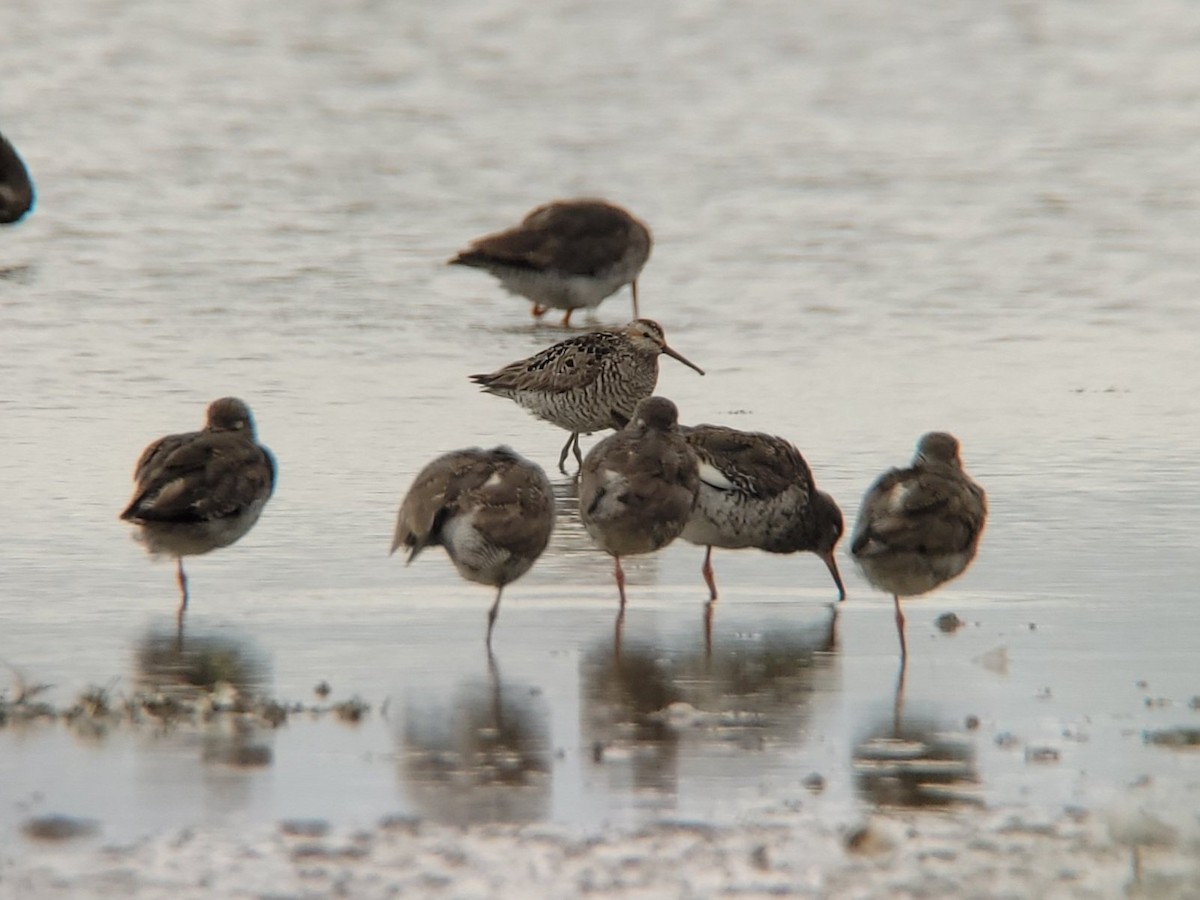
482, 757
915, 763
642, 701
209, 674
203, 663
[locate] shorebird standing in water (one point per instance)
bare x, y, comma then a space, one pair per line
919, 527
16, 190
756, 490
587, 383
493, 511
568, 254
638, 486
202, 490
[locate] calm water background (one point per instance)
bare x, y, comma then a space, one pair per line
870, 222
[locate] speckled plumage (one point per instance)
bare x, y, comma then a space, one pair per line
638, 486
16, 189
202, 490
757, 490
919, 527
586, 383
493, 511
567, 254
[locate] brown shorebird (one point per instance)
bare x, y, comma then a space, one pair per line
919, 527
586, 383
493, 511
569, 254
16, 190
202, 490
638, 486
757, 491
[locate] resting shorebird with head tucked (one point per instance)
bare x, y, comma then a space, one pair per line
919, 527
16, 189
202, 490
757, 491
569, 254
638, 486
587, 383
493, 511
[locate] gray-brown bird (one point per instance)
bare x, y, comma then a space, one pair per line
202, 490
493, 511
586, 383
568, 254
756, 490
638, 486
919, 527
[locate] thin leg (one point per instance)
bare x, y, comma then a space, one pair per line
619, 574
707, 571
492, 613
898, 707
618, 633
578, 454
900, 629
633, 290
538, 311
566, 322
181, 580
708, 620
562, 457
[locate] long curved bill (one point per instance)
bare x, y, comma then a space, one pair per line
831, 564
683, 359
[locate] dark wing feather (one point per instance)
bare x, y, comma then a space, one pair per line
192, 478
920, 511
434, 496
577, 238
757, 464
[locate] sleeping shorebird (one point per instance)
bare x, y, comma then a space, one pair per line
569, 254
586, 383
16, 190
919, 527
638, 486
202, 490
492, 510
757, 491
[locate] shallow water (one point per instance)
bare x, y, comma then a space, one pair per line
869, 223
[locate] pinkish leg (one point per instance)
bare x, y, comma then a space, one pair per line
707, 571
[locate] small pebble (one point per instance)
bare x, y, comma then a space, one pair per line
1041, 755
815, 782
948, 622
310, 828
59, 828
760, 859
972, 722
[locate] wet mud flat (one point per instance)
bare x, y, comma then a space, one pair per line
905, 803
792, 847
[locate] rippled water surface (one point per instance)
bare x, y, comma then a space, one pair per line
870, 222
